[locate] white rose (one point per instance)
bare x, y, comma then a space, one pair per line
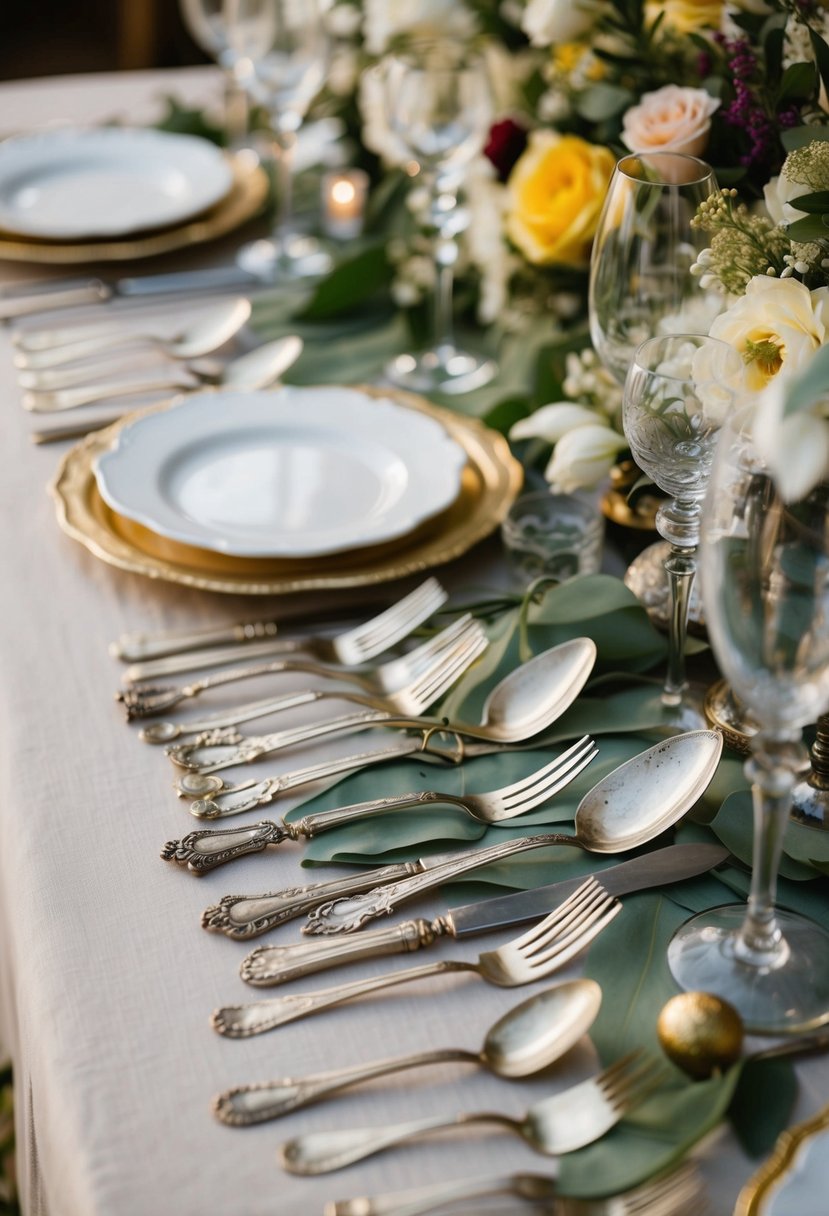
583, 457
779, 193
795, 446
553, 421
546, 22
776, 326
672, 119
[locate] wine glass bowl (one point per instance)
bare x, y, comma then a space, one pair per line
207, 23
643, 251
440, 110
678, 392
285, 47
765, 587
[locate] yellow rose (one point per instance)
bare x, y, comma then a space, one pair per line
555, 196
687, 16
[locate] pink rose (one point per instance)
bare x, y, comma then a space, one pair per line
673, 119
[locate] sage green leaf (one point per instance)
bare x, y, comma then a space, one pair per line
628, 960
757, 1121
582, 598
734, 825
353, 281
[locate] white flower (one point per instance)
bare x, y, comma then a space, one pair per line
671, 119
795, 446
552, 422
583, 457
377, 133
485, 199
546, 22
776, 326
779, 194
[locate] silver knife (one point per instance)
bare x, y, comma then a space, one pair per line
269, 965
65, 294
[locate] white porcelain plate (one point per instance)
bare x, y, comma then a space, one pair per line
300, 472
79, 184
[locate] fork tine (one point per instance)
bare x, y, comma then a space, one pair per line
556, 780
440, 641
382, 631
559, 916
529, 783
441, 675
567, 945
627, 1087
595, 901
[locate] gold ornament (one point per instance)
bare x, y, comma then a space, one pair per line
700, 1033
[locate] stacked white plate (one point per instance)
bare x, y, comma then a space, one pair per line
293, 474
69, 185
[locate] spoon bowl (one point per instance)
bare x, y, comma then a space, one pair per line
649, 793
527, 1039
212, 330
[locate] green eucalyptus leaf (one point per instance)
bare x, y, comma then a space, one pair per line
602, 101
799, 82
799, 137
734, 825
351, 283
815, 203
812, 228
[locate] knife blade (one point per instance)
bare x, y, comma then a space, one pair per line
269, 965
44, 297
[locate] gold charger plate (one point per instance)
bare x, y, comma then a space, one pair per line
246, 197
490, 482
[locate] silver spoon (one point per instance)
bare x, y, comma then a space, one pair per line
630, 806
521, 705
259, 368
527, 1039
207, 334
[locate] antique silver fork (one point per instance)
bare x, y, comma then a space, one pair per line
146, 700
411, 700
533, 956
560, 1124
202, 851
360, 644
678, 1193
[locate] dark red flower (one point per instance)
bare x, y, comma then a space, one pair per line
507, 140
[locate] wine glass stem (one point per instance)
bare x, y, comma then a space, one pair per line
681, 567
236, 112
283, 147
772, 771
446, 254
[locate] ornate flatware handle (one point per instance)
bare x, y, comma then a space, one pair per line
209, 757
322, 1152
176, 661
203, 851
323, 821
242, 1021
165, 732
348, 915
246, 916
267, 966
138, 646
245, 1105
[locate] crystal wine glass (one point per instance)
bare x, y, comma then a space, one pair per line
440, 108
206, 22
286, 46
678, 392
765, 588
640, 269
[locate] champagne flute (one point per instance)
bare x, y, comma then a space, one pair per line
678, 392
640, 268
440, 108
206, 22
286, 46
765, 588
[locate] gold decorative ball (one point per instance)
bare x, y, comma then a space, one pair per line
700, 1033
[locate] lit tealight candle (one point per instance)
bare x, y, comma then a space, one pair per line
343, 203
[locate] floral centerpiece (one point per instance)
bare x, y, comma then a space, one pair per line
580, 83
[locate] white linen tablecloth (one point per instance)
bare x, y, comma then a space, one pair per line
106, 978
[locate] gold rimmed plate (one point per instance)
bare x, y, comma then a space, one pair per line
794, 1179
245, 199
490, 482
